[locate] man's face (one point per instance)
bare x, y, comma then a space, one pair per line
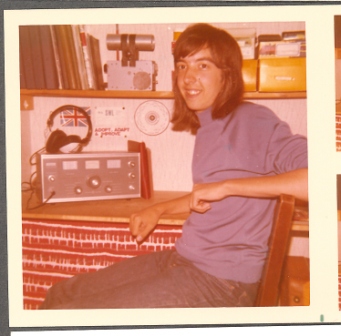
199, 80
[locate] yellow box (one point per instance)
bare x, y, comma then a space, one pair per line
282, 74
250, 75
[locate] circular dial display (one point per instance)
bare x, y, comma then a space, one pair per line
152, 117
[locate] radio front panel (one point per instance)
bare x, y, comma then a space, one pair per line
88, 176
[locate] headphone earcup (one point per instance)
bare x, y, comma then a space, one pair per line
59, 139
54, 141
71, 144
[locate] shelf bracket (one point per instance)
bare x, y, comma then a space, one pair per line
26, 103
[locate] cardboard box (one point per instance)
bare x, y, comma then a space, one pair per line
270, 49
246, 39
250, 75
282, 74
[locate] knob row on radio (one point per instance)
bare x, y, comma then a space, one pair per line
108, 189
93, 181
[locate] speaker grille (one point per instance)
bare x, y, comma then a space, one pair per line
142, 80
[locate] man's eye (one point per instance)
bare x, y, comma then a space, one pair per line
181, 66
203, 66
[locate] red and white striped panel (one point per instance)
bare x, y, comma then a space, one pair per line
338, 133
55, 250
339, 291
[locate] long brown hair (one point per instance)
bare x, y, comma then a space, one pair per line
226, 55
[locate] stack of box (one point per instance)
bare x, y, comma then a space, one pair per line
246, 39
273, 63
282, 62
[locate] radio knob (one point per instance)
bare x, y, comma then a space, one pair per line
78, 190
131, 187
51, 178
132, 175
131, 164
108, 189
94, 182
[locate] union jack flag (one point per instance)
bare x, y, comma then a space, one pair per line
71, 117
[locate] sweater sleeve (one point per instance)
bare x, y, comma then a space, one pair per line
285, 151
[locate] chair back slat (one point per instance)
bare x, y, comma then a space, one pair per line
268, 292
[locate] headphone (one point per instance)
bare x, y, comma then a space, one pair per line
59, 139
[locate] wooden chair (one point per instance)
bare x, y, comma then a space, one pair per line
268, 293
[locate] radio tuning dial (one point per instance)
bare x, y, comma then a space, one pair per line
94, 182
78, 190
108, 189
132, 175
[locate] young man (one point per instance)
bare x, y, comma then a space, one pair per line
244, 157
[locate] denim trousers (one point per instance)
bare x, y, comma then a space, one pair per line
157, 280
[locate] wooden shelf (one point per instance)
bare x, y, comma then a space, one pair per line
99, 94
146, 94
275, 95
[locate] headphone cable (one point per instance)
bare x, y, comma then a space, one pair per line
34, 154
40, 205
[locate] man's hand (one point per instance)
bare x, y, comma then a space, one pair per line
203, 194
143, 223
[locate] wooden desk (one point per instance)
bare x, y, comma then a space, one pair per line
101, 211
120, 210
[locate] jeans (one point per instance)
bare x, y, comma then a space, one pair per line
158, 280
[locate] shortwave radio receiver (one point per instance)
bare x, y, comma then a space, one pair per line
88, 176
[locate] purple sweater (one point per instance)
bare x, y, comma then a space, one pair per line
230, 240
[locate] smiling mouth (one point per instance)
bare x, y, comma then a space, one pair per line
192, 92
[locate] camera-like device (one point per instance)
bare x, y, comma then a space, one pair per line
130, 73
